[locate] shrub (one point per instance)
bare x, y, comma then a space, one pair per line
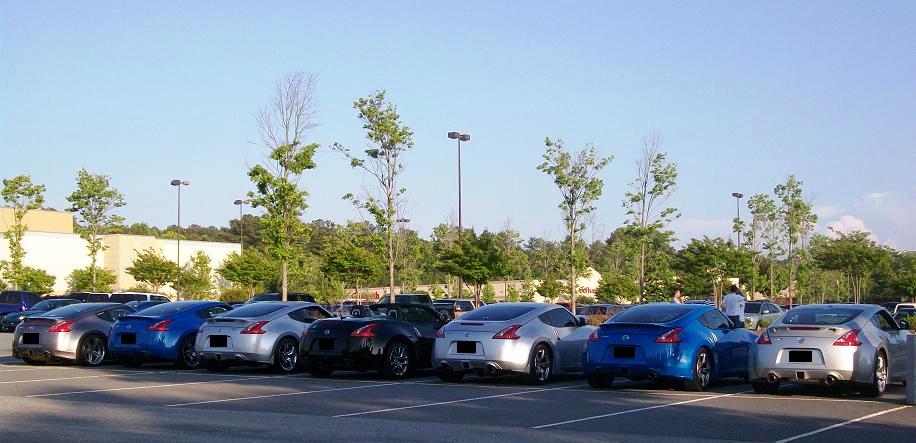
911, 319
233, 294
596, 320
764, 323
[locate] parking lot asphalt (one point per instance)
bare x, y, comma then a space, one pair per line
156, 403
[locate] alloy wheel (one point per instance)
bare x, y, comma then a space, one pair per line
881, 373
704, 369
93, 351
542, 364
398, 359
191, 359
287, 355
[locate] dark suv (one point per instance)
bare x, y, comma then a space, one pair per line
16, 301
276, 296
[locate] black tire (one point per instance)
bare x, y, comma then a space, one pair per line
216, 366
91, 351
187, 356
451, 376
879, 380
702, 372
763, 387
320, 371
286, 356
130, 362
33, 362
397, 361
540, 366
600, 381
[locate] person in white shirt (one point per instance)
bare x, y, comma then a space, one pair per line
677, 297
733, 305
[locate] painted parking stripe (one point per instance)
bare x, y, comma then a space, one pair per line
37, 380
630, 411
132, 388
464, 400
285, 394
838, 425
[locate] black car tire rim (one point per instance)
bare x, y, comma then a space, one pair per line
287, 355
398, 359
703, 369
542, 364
93, 351
191, 359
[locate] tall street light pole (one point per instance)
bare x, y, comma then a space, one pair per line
738, 196
461, 138
179, 183
241, 204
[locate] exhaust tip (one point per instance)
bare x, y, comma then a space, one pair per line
830, 380
772, 378
491, 369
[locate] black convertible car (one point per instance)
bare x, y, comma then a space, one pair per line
395, 339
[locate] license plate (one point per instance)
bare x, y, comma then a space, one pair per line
219, 341
30, 338
799, 356
624, 352
325, 344
128, 339
467, 347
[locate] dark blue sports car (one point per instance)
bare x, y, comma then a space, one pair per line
164, 332
691, 343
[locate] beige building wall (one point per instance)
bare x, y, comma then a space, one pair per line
40, 221
121, 251
57, 254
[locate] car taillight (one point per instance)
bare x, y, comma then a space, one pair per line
508, 333
848, 339
365, 331
764, 338
441, 332
61, 326
162, 326
670, 336
255, 328
594, 336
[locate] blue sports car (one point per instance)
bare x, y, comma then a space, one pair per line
162, 332
692, 343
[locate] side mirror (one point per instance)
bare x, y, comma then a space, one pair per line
904, 325
580, 321
457, 308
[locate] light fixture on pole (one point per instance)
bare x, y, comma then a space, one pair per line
179, 183
241, 204
738, 196
461, 138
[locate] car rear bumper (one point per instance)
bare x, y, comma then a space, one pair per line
348, 353
42, 353
476, 364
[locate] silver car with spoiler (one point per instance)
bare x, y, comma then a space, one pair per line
859, 345
536, 340
75, 332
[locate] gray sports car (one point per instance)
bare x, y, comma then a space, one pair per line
533, 339
75, 332
257, 333
830, 344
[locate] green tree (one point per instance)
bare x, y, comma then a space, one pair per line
36, 280
91, 280
471, 257
249, 270
528, 290
20, 194
854, 254
705, 265
437, 292
389, 140
614, 287
488, 294
798, 220
282, 126
763, 235
152, 268
580, 187
512, 293
93, 202
550, 288
656, 181
353, 255
196, 282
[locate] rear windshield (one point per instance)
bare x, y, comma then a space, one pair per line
497, 313
67, 311
250, 311
752, 308
162, 309
652, 314
820, 316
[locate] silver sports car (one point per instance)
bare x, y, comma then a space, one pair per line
256, 333
533, 339
75, 332
830, 344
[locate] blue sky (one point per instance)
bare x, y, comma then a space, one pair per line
743, 95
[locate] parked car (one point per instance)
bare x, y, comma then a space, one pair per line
257, 333
903, 313
536, 340
691, 343
276, 296
454, 307
124, 297
754, 311
601, 311
423, 299
890, 306
9, 321
141, 305
17, 301
164, 332
392, 338
87, 297
855, 344
76, 332
900, 306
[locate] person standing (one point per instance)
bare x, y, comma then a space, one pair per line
733, 304
677, 297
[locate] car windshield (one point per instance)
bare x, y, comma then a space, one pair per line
497, 313
826, 315
252, 310
162, 309
752, 308
67, 311
652, 314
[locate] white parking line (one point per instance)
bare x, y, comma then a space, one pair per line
451, 401
630, 411
838, 425
75, 378
131, 388
285, 394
